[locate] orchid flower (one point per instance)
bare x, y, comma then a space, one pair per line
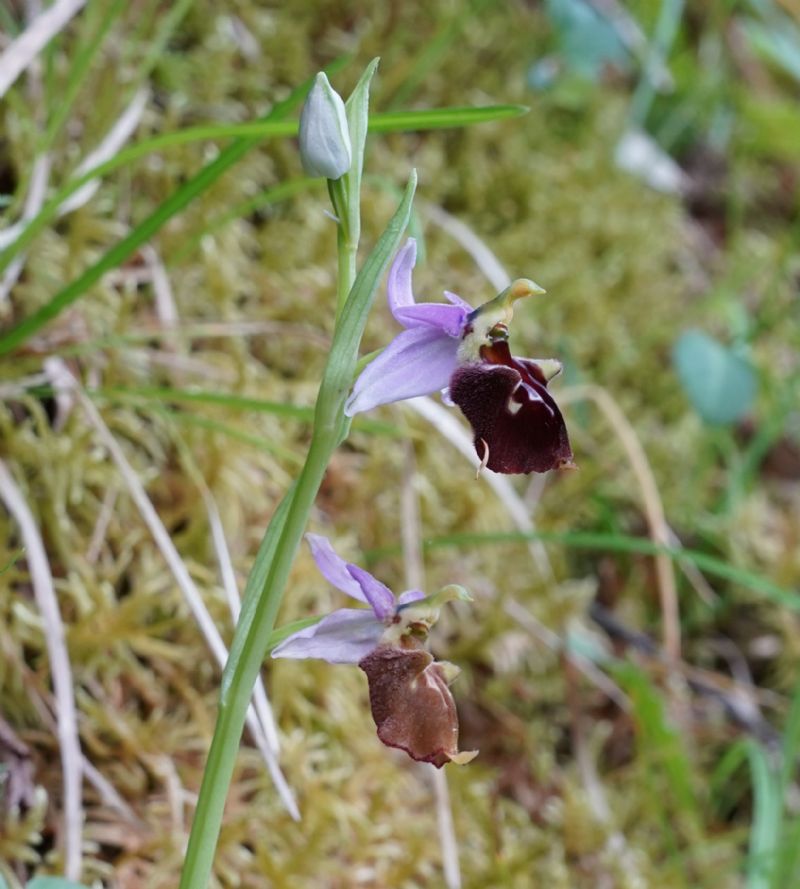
411, 703
517, 425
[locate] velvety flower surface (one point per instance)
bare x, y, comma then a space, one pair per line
411, 702
517, 425
412, 705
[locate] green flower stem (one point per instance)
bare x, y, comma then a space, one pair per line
348, 255
347, 237
225, 743
274, 561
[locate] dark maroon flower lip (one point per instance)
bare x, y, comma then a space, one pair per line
517, 425
412, 705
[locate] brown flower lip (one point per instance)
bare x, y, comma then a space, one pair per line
517, 425
412, 705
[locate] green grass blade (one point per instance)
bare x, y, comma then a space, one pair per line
725, 791
659, 739
787, 866
386, 122
259, 442
193, 396
195, 186
441, 118
251, 133
791, 741
625, 544
280, 633
265, 198
180, 198
255, 441
162, 394
767, 816
168, 23
234, 402
122, 250
79, 69
14, 559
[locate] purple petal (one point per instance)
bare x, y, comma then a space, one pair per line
344, 637
456, 300
410, 596
448, 319
333, 567
400, 294
398, 289
379, 596
416, 362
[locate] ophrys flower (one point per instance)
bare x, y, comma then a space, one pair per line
411, 702
517, 425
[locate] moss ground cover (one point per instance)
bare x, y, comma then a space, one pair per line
601, 762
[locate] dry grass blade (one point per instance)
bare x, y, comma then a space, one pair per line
116, 137
415, 579
60, 669
165, 306
449, 428
108, 793
616, 844
167, 312
444, 423
19, 55
231, 588
486, 261
740, 697
101, 525
447, 829
62, 378
553, 641
45, 707
34, 201
39, 179
651, 501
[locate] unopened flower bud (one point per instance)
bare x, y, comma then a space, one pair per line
324, 137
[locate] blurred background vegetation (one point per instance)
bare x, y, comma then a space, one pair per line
652, 189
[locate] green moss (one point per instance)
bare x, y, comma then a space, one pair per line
626, 270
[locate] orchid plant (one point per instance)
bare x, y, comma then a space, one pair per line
517, 427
